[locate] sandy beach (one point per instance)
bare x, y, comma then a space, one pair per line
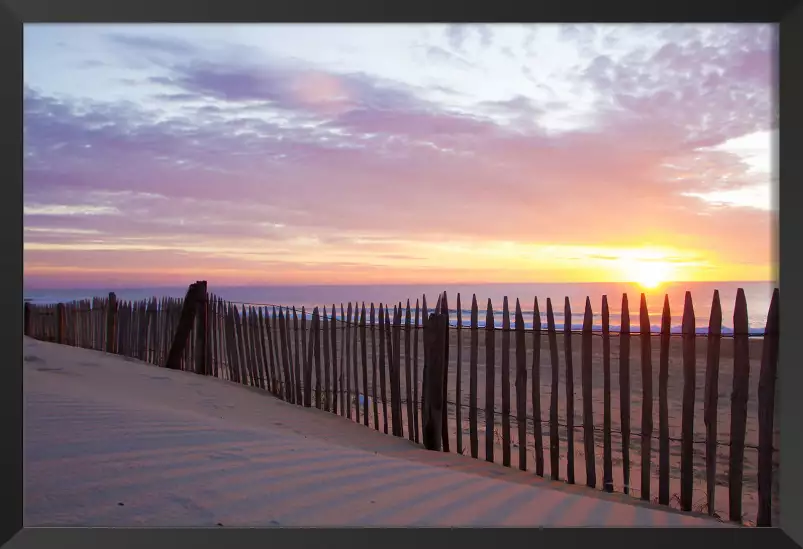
675, 392
111, 441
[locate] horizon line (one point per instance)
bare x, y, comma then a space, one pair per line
325, 285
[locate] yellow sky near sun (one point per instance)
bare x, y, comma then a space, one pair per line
306, 260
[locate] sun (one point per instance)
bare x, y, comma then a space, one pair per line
650, 274
649, 267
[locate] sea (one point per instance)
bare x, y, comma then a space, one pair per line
757, 294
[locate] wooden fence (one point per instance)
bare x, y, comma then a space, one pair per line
364, 365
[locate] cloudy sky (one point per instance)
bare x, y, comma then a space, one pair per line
243, 154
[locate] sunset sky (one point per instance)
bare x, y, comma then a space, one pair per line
281, 154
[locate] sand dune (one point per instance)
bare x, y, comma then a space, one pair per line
674, 390
115, 442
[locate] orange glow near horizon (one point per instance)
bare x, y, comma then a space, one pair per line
304, 258
411, 262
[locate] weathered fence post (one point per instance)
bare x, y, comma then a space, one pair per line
459, 382
624, 390
766, 412
569, 383
646, 399
316, 343
444, 309
345, 365
587, 369
554, 439
607, 446
408, 376
505, 383
60, 323
201, 328
663, 406
416, 400
536, 391
375, 371
435, 342
472, 380
299, 396
382, 369
687, 419
188, 313
490, 354
327, 365
711, 395
307, 355
521, 386
739, 398
111, 324
395, 378
27, 319
333, 343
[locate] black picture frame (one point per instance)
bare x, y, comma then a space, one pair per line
15, 13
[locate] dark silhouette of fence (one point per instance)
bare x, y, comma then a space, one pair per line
364, 364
